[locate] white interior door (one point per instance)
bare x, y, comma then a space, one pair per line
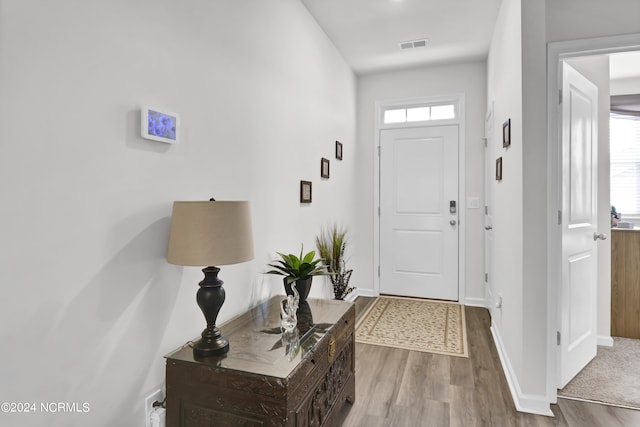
578, 343
419, 212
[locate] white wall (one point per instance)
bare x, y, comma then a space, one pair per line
520, 325
90, 305
523, 336
627, 86
534, 141
504, 83
468, 78
581, 19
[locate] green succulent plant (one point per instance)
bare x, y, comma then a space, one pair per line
295, 268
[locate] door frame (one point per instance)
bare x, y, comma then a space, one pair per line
489, 195
458, 99
556, 53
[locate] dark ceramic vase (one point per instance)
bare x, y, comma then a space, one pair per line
305, 317
303, 286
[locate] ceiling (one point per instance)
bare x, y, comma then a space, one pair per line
367, 32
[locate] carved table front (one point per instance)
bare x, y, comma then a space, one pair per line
267, 378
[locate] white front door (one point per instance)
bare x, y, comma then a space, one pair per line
578, 340
419, 212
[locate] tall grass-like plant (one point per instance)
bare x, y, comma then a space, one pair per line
331, 245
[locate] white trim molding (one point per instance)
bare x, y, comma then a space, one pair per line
605, 341
357, 292
475, 302
458, 99
557, 52
534, 404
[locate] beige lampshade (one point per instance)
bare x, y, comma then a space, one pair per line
210, 233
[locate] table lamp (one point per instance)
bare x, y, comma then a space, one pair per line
209, 234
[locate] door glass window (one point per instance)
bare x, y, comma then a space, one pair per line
395, 116
419, 113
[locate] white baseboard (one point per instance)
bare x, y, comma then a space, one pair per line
361, 293
475, 302
352, 296
533, 404
605, 341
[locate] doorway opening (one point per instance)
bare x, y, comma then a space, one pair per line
558, 54
411, 138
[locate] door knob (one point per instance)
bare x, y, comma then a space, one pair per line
452, 222
488, 227
600, 236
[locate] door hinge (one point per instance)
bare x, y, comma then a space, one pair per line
486, 210
378, 210
486, 277
559, 217
484, 140
378, 150
558, 337
378, 271
560, 96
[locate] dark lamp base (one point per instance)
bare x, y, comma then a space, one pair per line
206, 348
210, 298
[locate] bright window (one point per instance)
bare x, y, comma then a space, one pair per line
395, 116
442, 112
420, 113
625, 164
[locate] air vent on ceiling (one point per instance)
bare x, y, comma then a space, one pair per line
413, 44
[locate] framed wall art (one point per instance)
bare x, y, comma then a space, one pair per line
305, 191
159, 126
338, 150
499, 169
324, 168
506, 133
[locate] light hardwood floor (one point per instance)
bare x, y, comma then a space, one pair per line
398, 388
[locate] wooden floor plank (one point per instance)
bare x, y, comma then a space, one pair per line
396, 387
387, 384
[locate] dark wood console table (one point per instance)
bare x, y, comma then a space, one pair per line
268, 379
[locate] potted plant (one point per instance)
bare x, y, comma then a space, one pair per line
299, 270
331, 244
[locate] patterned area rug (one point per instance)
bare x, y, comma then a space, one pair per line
612, 377
415, 324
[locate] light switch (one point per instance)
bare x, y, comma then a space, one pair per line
473, 203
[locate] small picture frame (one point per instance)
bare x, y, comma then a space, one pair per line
499, 169
338, 150
506, 133
305, 191
324, 168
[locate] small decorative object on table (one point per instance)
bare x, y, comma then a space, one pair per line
288, 311
291, 343
299, 270
331, 244
615, 216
